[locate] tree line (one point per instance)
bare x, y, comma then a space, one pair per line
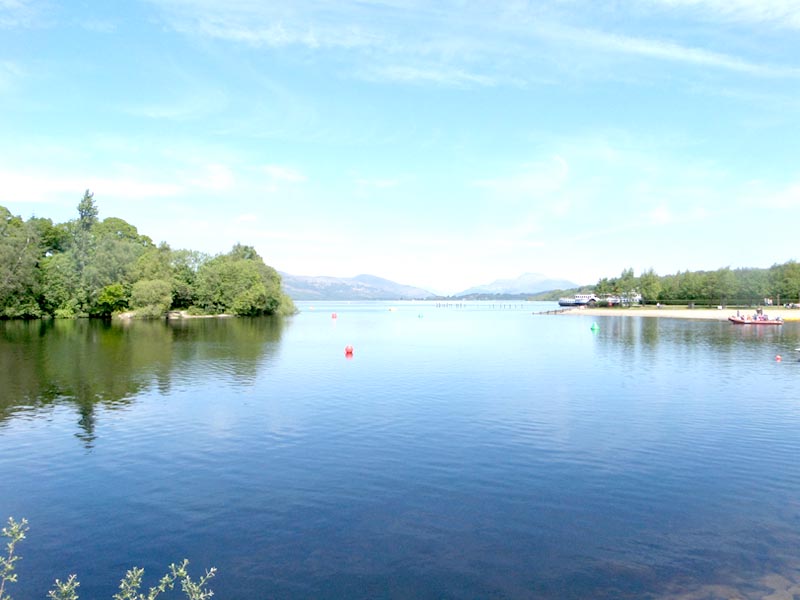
95, 268
779, 284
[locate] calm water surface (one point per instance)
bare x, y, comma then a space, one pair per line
473, 451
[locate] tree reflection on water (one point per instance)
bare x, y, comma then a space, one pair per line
87, 363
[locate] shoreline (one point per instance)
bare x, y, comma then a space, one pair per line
706, 314
172, 315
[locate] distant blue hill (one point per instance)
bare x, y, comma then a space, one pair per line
360, 287
528, 283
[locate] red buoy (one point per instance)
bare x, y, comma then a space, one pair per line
348, 351
778, 358
334, 316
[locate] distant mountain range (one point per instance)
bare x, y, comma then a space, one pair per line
360, 287
370, 287
527, 283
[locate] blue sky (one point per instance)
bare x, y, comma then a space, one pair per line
440, 144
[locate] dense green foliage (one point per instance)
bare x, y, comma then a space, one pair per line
779, 284
129, 586
89, 267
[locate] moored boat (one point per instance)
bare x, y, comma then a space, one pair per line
579, 300
758, 320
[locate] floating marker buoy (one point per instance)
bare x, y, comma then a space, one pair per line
594, 327
334, 316
778, 358
348, 351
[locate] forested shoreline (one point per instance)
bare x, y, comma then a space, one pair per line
89, 267
778, 284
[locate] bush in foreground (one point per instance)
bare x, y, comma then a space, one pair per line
129, 586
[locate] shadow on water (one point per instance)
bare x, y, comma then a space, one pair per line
87, 363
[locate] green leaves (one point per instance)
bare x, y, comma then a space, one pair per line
19, 276
194, 590
15, 532
129, 585
111, 299
65, 590
88, 267
151, 297
87, 211
240, 283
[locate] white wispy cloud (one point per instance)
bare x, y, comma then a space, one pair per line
283, 174
217, 177
661, 215
28, 187
533, 181
788, 198
771, 197
315, 24
98, 25
376, 183
10, 71
665, 50
134, 189
439, 75
196, 102
785, 13
17, 13
475, 44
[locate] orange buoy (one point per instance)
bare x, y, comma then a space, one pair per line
348, 351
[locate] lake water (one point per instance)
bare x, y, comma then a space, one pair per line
474, 451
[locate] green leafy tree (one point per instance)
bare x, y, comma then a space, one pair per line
154, 263
752, 285
83, 249
240, 283
53, 238
60, 286
87, 211
785, 281
19, 275
625, 285
112, 264
690, 286
112, 298
649, 286
185, 264
604, 287
725, 281
112, 227
151, 297
88, 267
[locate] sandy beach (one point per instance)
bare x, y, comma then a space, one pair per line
676, 312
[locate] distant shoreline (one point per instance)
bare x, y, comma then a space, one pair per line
672, 312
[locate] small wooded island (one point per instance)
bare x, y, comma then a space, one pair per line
92, 268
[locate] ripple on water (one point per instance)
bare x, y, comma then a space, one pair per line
473, 454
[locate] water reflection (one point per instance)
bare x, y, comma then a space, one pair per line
89, 363
468, 454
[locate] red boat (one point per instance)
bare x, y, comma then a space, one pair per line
756, 321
